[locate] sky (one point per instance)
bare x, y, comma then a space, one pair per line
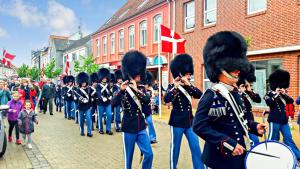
25, 25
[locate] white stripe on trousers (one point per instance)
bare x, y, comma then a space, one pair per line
124, 150
98, 118
79, 124
271, 131
172, 146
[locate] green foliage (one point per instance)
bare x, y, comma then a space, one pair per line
248, 41
22, 71
33, 73
50, 71
88, 65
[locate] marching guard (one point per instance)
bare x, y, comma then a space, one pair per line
64, 94
117, 108
69, 96
219, 119
83, 94
244, 84
75, 110
105, 97
180, 93
276, 99
94, 97
132, 99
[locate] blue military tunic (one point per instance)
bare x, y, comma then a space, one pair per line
133, 119
216, 123
181, 114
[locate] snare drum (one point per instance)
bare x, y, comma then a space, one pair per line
286, 160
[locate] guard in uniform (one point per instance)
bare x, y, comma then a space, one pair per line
105, 97
58, 98
94, 97
69, 96
148, 110
117, 107
84, 103
219, 119
75, 110
64, 94
132, 99
180, 93
276, 99
246, 79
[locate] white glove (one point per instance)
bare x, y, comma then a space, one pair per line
69, 94
104, 99
110, 98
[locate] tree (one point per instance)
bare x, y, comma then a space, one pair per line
88, 66
248, 41
50, 71
33, 73
22, 71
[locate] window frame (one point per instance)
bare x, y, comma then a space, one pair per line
208, 11
142, 38
257, 11
104, 43
156, 25
112, 43
129, 38
121, 30
186, 18
98, 47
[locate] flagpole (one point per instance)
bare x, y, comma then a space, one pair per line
2, 61
159, 74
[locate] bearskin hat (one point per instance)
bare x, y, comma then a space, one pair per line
112, 78
225, 51
118, 75
148, 78
103, 73
249, 76
94, 78
279, 79
71, 79
133, 64
181, 65
82, 77
65, 79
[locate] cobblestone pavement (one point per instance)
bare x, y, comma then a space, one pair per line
57, 144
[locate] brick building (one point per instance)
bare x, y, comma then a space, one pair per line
271, 26
135, 26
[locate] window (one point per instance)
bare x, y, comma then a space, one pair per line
256, 6
131, 37
98, 48
210, 12
263, 69
157, 22
73, 57
123, 14
206, 82
121, 40
143, 33
104, 41
142, 4
112, 43
189, 15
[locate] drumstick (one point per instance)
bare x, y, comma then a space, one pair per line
265, 137
263, 154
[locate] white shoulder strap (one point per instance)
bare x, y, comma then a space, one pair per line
185, 93
134, 97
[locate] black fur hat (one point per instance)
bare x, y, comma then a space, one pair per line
112, 78
133, 64
82, 77
65, 79
279, 79
118, 74
103, 73
71, 79
249, 76
148, 79
181, 65
94, 78
225, 51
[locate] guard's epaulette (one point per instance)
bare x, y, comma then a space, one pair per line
217, 109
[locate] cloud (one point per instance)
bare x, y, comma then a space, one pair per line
58, 18
3, 33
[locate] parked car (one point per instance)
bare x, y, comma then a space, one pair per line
3, 137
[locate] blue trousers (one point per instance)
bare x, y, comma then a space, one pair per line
82, 116
274, 134
65, 109
75, 112
117, 116
151, 130
101, 110
143, 142
69, 108
176, 136
254, 138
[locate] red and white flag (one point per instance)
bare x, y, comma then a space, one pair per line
7, 58
171, 41
67, 65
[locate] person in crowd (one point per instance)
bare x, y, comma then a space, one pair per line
15, 107
47, 96
5, 94
94, 97
26, 120
58, 97
117, 107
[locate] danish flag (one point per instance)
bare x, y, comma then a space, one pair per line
67, 65
171, 41
7, 58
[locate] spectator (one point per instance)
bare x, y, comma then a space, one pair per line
4, 94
